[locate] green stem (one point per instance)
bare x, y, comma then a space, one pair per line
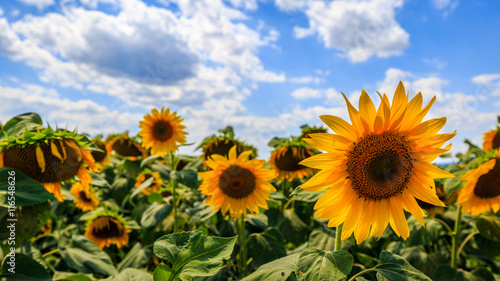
465, 241
362, 273
338, 238
448, 228
243, 246
455, 237
50, 253
288, 202
174, 185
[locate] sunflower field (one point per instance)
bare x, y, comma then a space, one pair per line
354, 200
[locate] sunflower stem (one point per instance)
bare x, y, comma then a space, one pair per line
455, 237
465, 241
50, 253
174, 186
338, 238
362, 273
243, 245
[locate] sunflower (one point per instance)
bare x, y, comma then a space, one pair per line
377, 166
236, 183
162, 131
481, 192
491, 140
306, 130
106, 228
49, 157
85, 198
285, 161
125, 146
154, 186
101, 157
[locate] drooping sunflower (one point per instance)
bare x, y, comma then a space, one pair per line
481, 192
155, 186
85, 198
50, 157
101, 157
125, 146
221, 144
491, 140
285, 161
106, 228
162, 132
236, 184
375, 167
306, 130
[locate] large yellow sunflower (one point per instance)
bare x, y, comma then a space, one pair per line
236, 184
52, 158
491, 140
162, 131
285, 161
377, 166
482, 190
107, 228
85, 198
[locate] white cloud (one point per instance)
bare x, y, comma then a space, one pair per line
330, 95
358, 29
291, 5
447, 6
40, 4
307, 79
435, 62
487, 84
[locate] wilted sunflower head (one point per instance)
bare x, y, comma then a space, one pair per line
162, 132
378, 165
306, 130
125, 146
106, 228
481, 192
49, 156
285, 160
154, 186
236, 184
86, 199
100, 156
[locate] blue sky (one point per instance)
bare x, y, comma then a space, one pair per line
264, 67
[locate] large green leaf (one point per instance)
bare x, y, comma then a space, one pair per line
137, 257
186, 177
162, 272
155, 214
307, 196
20, 267
266, 246
277, 270
193, 254
447, 273
98, 180
200, 212
19, 123
420, 235
17, 189
394, 268
71, 276
322, 238
315, 264
84, 256
289, 224
489, 227
131, 274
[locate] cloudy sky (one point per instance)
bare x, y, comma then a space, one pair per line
264, 67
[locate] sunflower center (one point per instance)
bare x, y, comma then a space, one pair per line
488, 185
25, 160
162, 130
99, 155
380, 166
127, 147
83, 196
496, 141
237, 182
107, 227
289, 159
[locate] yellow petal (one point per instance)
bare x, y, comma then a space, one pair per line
354, 115
340, 126
367, 110
232, 154
428, 127
324, 161
40, 158
55, 152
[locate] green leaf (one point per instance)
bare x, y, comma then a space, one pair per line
154, 214
18, 124
131, 274
137, 257
266, 246
186, 177
277, 270
155, 197
84, 256
278, 196
315, 264
447, 273
394, 268
200, 212
148, 160
420, 235
70, 276
97, 180
307, 196
289, 224
322, 238
26, 191
20, 267
193, 254
162, 272
144, 185
489, 227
